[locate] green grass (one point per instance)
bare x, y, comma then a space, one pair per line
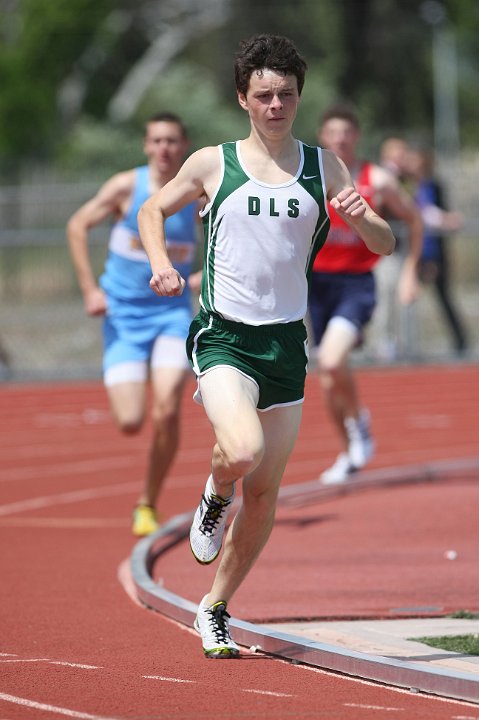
463, 644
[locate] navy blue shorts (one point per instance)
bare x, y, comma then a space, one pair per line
343, 295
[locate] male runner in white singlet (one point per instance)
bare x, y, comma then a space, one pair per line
144, 335
264, 216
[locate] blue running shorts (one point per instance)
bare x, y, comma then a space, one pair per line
350, 296
129, 336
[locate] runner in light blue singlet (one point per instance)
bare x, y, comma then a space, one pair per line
144, 335
136, 316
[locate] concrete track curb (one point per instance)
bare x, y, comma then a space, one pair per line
391, 671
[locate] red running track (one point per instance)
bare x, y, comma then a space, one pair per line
74, 644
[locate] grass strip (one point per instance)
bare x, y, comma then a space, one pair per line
465, 615
463, 644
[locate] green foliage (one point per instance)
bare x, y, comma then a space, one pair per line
96, 149
92, 147
42, 42
375, 53
191, 91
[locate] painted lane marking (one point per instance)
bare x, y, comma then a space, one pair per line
373, 707
63, 522
90, 467
63, 663
67, 498
391, 688
168, 679
30, 472
426, 422
126, 581
267, 692
90, 416
51, 708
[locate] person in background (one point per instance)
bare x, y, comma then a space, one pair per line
342, 294
391, 334
439, 225
265, 217
144, 335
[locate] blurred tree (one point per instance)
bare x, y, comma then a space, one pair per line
42, 40
69, 64
463, 17
172, 27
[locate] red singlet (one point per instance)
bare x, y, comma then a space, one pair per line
344, 251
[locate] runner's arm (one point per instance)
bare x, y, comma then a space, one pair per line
186, 187
354, 209
108, 201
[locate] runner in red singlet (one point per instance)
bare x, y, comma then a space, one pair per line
342, 296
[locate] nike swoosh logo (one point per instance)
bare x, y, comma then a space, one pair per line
309, 177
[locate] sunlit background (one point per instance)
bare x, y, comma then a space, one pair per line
79, 77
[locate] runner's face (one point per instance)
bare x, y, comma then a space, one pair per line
271, 101
341, 137
165, 146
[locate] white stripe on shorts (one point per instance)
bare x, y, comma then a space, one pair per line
136, 371
169, 352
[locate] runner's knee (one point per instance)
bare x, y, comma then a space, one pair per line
129, 423
243, 456
330, 371
165, 416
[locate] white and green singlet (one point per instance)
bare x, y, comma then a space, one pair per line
261, 240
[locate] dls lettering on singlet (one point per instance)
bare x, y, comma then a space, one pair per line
254, 207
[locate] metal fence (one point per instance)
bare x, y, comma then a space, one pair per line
44, 333
43, 330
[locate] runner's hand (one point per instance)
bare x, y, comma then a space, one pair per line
349, 204
167, 281
94, 301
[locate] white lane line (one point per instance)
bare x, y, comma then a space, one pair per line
391, 688
55, 469
51, 708
266, 692
90, 467
66, 498
64, 663
168, 679
373, 707
64, 522
90, 416
126, 581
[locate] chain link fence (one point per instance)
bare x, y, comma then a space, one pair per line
44, 332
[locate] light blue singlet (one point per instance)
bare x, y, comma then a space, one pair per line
135, 315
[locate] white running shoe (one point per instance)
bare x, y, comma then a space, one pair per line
360, 442
339, 472
208, 526
212, 624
